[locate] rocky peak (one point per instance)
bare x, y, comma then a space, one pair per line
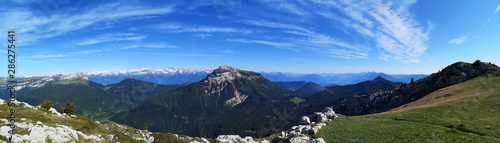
225, 76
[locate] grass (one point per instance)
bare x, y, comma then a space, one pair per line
466, 112
122, 133
297, 101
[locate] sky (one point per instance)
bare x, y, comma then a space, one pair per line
299, 36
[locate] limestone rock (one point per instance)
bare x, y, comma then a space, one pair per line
318, 140
304, 121
329, 113
229, 138
318, 117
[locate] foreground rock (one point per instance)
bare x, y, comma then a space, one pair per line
298, 134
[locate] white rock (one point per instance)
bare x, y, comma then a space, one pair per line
329, 113
229, 138
318, 140
304, 121
318, 117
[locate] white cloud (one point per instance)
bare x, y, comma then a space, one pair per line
278, 45
156, 46
459, 40
496, 10
35, 25
112, 37
203, 36
228, 51
181, 28
387, 22
86, 52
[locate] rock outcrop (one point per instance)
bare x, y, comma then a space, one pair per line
383, 101
223, 77
298, 134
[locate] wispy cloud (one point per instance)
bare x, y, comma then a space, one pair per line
156, 46
181, 28
389, 23
83, 52
459, 40
270, 43
228, 51
35, 25
496, 10
112, 37
86, 52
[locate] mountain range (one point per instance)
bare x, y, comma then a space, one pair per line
458, 103
227, 101
95, 100
234, 101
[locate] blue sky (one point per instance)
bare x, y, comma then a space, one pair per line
302, 36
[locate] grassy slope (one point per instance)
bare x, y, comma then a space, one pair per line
466, 112
124, 133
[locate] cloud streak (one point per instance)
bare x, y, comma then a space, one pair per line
112, 37
35, 25
459, 40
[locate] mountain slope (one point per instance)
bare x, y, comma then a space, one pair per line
34, 124
383, 101
332, 96
292, 85
466, 112
87, 95
309, 89
132, 92
94, 100
227, 101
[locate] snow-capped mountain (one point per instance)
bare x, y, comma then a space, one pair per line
28, 83
160, 76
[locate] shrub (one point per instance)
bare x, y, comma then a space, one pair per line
476, 64
69, 108
47, 104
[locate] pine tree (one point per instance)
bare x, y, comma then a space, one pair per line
47, 104
69, 108
412, 80
145, 126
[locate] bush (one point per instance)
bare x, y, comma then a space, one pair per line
476, 64
47, 104
69, 108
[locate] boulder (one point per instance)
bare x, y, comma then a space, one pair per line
318, 117
302, 139
329, 113
229, 138
318, 140
304, 121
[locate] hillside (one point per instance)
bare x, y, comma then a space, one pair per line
34, 124
95, 100
227, 101
309, 89
383, 101
292, 85
334, 95
466, 112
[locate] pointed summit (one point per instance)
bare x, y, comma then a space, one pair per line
380, 78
